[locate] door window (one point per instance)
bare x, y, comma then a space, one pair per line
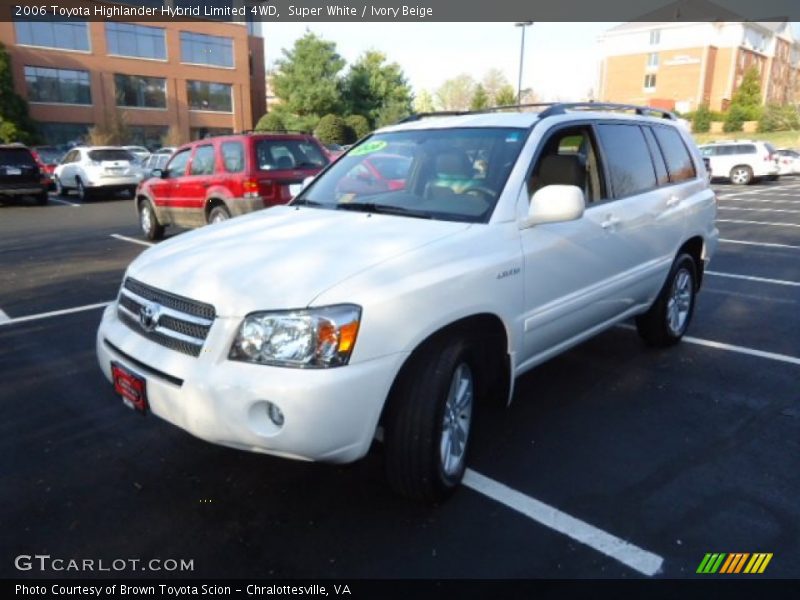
177, 166
628, 158
203, 161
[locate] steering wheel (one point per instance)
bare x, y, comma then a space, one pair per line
481, 192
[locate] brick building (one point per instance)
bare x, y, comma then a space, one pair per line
200, 77
680, 65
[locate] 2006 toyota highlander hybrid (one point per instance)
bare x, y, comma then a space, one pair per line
400, 303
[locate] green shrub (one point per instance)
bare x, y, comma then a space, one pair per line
271, 121
776, 117
358, 127
331, 129
734, 120
701, 120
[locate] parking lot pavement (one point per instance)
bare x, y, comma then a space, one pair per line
613, 458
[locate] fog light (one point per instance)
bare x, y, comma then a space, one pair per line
275, 414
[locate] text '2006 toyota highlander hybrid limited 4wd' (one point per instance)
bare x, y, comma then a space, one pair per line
508, 238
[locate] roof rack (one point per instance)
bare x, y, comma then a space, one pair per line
248, 131
550, 109
562, 108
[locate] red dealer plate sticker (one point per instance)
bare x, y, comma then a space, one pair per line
130, 386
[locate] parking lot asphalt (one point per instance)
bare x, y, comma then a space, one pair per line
614, 460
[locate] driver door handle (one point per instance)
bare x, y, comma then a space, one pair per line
610, 222
673, 201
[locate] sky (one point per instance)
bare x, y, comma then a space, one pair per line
560, 61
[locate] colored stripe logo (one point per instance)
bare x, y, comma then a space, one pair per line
734, 563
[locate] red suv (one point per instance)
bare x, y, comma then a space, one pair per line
217, 178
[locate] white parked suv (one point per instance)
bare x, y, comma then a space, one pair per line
89, 170
742, 161
402, 305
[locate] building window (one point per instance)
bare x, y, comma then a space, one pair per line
66, 35
650, 81
135, 91
209, 96
57, 134
140, 41
149, 136
655, 36
652, 60
58, 86
201, 49
201, 133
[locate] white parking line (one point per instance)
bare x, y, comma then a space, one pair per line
125, 238
65, 202
54, 313
775, 210
765, 244
762, 200
752, 278
758, 223
3, 316
792, 360
628, 554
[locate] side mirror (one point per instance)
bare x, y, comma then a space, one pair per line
160, 173
555, 204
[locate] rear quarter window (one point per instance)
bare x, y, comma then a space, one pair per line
745, 149
628, 159
679, 161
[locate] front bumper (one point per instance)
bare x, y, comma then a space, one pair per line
329, 414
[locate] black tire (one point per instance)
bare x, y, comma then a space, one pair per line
414, 427
148, 222
656, 327
41, 199
741, 175
218, 214
84, 195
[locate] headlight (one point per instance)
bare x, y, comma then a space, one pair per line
306, 338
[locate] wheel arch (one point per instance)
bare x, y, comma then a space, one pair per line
695, 247
211, 203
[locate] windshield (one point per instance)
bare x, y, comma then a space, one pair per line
49, 155
446, 174
111, 154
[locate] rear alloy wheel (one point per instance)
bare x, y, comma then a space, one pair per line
151, 228
668, 319
429, 419
218, 214
741, 175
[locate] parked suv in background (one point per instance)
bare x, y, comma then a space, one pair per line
742, 161
300, 330
217, 178
90, 170
21, 174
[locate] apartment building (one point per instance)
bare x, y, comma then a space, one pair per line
199, 77
680, 65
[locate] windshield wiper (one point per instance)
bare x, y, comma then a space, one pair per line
304, 202
384, 209
307, 165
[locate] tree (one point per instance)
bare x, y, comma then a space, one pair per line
358, 126
701, 120
372, 86
506, 96
777, 117
272, 121
114, 132
423, 103
456, 93
15, 123
307, 77
332, 130
173, 137
480, 99
493, 82
747, 97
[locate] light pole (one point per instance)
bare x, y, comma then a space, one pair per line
522, 25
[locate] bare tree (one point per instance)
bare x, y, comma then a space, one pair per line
456, 93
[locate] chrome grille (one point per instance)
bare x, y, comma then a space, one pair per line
180, 323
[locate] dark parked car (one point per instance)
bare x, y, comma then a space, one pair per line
217, 178
21, 175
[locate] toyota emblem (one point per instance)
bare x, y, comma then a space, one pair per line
149, 315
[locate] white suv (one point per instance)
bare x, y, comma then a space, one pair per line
396, 300
742, 161
90, 170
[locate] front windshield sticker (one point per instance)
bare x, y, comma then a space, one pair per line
513, 137
369, 148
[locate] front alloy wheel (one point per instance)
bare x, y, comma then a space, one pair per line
457, 420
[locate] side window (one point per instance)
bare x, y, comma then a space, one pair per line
203, 161
233, 156
628, 159
177, 166
708, 151
679, 161
658, 159
746, 149
569, 157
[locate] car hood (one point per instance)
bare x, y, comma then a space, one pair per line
280, 258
